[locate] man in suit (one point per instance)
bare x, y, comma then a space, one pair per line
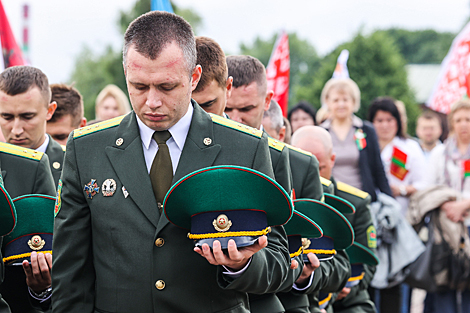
318, 141
113, 250
25, 108
25, 171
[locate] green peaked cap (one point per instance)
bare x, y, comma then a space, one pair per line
332, 222
359, 254
7, 212
303, 226
225, 188
340, 204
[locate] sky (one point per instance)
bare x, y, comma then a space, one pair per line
59, 30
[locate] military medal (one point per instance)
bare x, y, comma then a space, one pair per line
124, 192
36, 243
109, 187
91, 189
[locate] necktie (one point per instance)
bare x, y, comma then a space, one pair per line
161, 172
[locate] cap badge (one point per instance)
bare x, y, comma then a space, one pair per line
306, 243
222, 223
109, 187
36, 243
91, 189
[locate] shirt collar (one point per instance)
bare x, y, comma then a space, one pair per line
42, 148
178, 132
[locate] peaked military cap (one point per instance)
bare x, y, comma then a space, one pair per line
7, 212
337, 231
340, 204
298, 227
227, 202
358, 256
33, 231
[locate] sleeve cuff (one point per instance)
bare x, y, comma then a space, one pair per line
237, 273
306, 287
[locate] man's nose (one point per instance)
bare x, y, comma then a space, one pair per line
235, 117
153, 99
17, 127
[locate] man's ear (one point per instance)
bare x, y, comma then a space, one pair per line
267, 100
229, 86
50, 110
333, 159
82, 122
282, 133
196, 76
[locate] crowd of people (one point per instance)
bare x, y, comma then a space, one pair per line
94, 229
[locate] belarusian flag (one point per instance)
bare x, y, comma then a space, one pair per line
398, 166
11, 52
466, 168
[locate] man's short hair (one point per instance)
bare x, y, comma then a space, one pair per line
274, 113
245, 70
430, 115
69, 102
16, 80
151, 32
212, 59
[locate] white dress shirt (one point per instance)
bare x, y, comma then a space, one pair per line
42, 148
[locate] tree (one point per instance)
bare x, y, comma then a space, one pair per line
304, 60
378, 68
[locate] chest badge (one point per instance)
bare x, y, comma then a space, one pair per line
109, 187
91, 189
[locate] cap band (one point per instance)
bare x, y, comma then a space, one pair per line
299, 252
22, 256
265, 231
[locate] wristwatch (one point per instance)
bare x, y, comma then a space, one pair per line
403, 192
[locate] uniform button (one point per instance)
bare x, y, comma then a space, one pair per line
160, 284
159, 206
159, 242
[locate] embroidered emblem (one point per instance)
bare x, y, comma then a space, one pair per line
371, 237
124, 192
36, 243
305, 243
91, 189
207, 141
109, 187
56, 165
222, 223
58, 201
119, 141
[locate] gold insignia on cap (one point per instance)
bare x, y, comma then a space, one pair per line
36, 243
109, 187
222, 223
306, 243
56, 165
207, 141
119, 141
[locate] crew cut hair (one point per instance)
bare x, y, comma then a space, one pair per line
151, 32
69, 102
245, 70
211, 57
16, 80
274, 113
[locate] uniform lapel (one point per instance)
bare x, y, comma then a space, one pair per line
128, 162
199, 150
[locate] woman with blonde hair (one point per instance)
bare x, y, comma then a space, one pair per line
355, 144
111, 102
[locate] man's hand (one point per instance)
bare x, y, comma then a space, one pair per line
236, 258
308, 269
38, 273
343, 293
456, 211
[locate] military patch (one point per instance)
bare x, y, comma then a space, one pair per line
58, 201
371, 237
235, 125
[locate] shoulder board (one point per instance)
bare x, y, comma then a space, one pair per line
97, 127
235, 125
276, 144
63, 147
325, 181
20, 151
298, 150
351, 190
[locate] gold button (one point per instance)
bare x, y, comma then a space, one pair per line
159, 242
160, 284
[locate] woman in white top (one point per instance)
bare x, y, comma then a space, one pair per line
403, 161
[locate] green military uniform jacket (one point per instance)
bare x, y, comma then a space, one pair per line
358, 299
106, 254
55, 152
24, 171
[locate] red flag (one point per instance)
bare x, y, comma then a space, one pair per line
11, 52
278, 70
454, 78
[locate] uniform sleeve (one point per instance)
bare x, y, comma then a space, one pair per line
44, 183
73, 275
312, 188
269, 267
282, 171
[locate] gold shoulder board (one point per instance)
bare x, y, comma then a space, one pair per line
63, 147
351, 190
97, 127
325, 181
20, 151
235, 125
276, 144
299, 150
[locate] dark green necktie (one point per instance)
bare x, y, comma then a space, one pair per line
161, 172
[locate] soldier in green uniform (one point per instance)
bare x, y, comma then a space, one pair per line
25, 108
113, 250
318, 141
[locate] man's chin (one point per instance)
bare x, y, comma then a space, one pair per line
21, 143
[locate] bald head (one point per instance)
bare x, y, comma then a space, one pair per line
317, 141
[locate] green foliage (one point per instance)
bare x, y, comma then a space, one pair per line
421, 46
378, 68
304, 60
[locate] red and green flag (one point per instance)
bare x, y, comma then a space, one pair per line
360, 139
10, 50
398, 166
466, 168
